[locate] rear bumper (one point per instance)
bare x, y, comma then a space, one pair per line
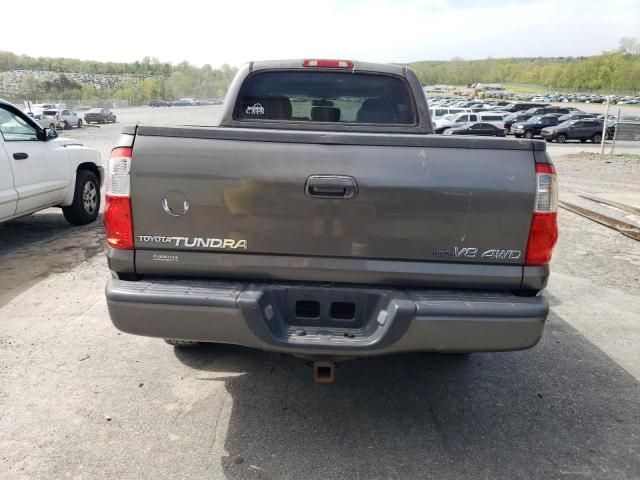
265, 316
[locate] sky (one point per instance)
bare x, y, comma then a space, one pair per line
236, 31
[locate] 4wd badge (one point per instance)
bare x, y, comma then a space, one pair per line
472, 252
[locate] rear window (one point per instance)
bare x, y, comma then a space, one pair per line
320, 96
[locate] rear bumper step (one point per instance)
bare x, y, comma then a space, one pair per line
311, 319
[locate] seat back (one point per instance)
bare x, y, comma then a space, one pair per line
377, 110
325, 114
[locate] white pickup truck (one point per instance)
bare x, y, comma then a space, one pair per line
39, 170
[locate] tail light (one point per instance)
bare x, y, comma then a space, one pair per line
544, 226
118, 220
328, 63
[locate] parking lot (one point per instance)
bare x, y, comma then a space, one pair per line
80, 400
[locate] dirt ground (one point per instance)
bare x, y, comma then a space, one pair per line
80, 400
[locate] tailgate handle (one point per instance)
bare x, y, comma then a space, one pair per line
331, 186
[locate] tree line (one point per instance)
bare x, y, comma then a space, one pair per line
139, 82
148, 65
615, 71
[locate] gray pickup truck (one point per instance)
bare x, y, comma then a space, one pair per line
321, 218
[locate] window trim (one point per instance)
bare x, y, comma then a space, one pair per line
28, 120
275, 122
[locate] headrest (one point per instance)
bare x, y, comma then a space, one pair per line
325, 114
376, 110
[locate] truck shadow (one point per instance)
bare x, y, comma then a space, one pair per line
560, 410
33, 247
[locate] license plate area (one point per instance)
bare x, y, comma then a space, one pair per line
325, 317
325, 307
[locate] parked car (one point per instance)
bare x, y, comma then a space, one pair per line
575, 116
581, 129
509, 120
44, 121
480, 107
53, 115
440, 112
534, 125
185, 102
453, 120
494, 118
100, 115
40, 170
519, 107
299, 275
481, 129
546, 110
612, 120
64, 118
457, 120
43, 106
540, 98
160, 103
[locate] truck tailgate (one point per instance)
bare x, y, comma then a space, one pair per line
466, 201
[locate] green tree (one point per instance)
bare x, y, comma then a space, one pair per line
32, 88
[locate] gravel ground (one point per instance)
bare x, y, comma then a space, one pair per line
80, 400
